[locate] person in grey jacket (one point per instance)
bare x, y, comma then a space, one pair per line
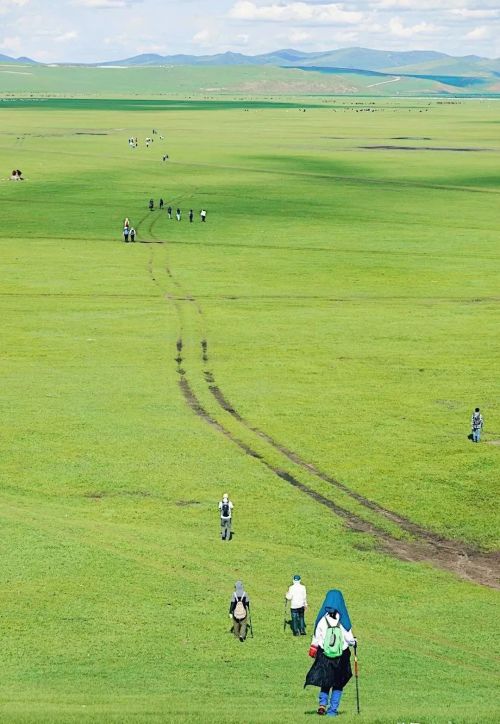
477, 424
239, 611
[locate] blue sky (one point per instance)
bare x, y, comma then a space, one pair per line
96, 30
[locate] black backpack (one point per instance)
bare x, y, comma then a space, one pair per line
225, 510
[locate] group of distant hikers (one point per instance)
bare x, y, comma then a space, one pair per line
133, 141
332, 637
331, 670
178, 212
128, 231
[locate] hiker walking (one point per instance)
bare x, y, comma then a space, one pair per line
203, 215
132, 234
297, 595
169, 212
239, 610
161, 204
226, 514
191, 216
477, 424
178, 214
125, 233
151, 204
331, 670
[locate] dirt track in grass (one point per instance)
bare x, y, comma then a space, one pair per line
418, 544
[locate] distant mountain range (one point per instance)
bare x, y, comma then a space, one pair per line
426, 62
414, 61
22, 60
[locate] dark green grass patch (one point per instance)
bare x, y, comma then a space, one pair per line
136, 104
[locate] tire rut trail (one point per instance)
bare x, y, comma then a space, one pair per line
426, 546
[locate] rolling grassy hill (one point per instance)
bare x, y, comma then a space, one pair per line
315, 349
242, 81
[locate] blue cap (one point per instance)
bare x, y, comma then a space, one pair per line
296, 577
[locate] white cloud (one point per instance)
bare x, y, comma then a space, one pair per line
103, 4
478, 33
12, 44
7, 6
412, 5
202, 37
298, 36
242, 39
408, 31
480, 14
65, 37
316, 14
12, 4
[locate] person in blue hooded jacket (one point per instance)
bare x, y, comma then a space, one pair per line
331, 670
335, 599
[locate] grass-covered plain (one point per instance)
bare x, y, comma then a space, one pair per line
348, 296
238, 80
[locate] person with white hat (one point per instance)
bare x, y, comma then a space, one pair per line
297, 595
226, 514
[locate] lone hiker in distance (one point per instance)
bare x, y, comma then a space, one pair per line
239, 610
226, 514
297, 595
477, 424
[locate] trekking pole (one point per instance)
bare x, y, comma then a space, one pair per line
284, 617
250, 624
356, 675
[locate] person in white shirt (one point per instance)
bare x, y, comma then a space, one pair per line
331, 670
297, 595
226, 514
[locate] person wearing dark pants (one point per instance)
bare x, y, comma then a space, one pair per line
477, 424
238, 611
226, 515
297, 595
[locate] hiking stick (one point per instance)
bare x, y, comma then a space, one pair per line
356, 675
284, 617
250, 624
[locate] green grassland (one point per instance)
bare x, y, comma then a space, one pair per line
343, 298
230, 81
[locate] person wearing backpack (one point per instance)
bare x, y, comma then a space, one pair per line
297, 595
477, 424
226, 514
331, 669
238, 611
